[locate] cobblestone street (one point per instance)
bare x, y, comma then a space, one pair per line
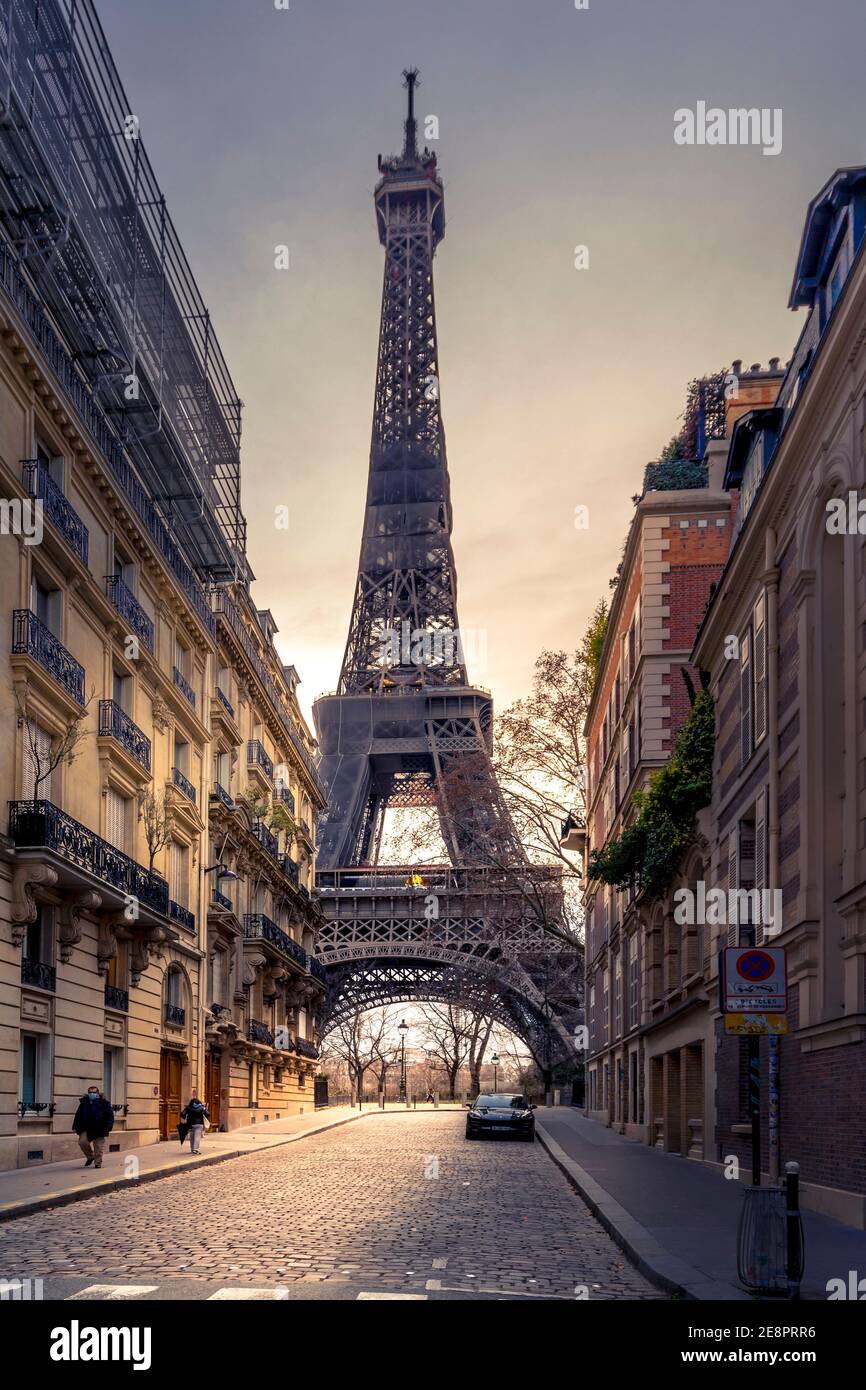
392, 1203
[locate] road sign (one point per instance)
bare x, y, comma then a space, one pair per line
753, 980
755, 1024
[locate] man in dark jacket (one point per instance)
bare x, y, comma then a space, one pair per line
93, 1122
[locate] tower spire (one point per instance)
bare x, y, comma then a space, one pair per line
410, 144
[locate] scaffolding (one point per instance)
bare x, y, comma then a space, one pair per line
86, 223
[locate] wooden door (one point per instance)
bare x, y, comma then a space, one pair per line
170, 1071
212, 1075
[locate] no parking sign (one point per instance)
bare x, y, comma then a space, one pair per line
754, 980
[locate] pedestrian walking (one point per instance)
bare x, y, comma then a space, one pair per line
195, 1116
93, 1123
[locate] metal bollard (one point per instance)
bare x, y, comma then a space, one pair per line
435, 1100
794, 1251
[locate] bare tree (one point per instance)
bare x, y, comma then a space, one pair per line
156, 820
447, 1031
362, 1042
64, 748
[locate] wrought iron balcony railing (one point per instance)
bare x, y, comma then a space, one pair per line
183, 685
306, 829
175, 1014
285, 796
259, 1032
259, 927
115, 723
42, 825
257, 757
181, 914
304, 891
130, 609
31, 637
223, 900
225, 702
36, 972
289, 868
183, 784
116, 998
266, 839
37, 1106
40, 484
318, 969
304, 1048
222, 795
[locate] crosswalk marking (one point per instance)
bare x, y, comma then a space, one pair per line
111, 1292
404, 1297
278, 1292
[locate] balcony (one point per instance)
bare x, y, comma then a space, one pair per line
36, 972
117, 998
268, 842
305, 1048
259, 1033
289, 868
181, 915
222, 901
222, 795
42, 825
257, 757
30, 637
127, 605
116, 724
283, 795
318, 969
183, 686
225, 702
175, 1014
258, 927
40, 484
183, 784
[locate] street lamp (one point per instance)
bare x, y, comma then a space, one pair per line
403, 1029
495, 1064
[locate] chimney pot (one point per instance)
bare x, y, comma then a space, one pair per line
774, 364
755, 367
737, 366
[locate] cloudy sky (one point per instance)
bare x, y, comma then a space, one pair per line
558, 385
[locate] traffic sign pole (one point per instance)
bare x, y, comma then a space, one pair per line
755, 1106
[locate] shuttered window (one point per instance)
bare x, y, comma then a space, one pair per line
759, 661
37, 758
178, 875
760, 862
733, 882
115, 819
745, 697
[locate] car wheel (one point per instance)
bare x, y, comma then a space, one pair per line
469, 1134
529, 1138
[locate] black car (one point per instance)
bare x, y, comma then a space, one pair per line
501, 1114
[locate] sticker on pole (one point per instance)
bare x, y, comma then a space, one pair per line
748, 1025
754, 980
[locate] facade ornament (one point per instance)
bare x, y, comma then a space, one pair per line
24, 906
161, 713
69, 925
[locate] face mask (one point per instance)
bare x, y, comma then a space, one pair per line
93, 1095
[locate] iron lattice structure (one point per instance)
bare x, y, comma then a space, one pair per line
85, 236
405, 714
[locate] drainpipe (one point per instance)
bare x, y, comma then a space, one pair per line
771, 579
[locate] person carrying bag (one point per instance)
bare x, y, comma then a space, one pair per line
194, 1117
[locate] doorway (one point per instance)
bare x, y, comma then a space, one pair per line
212, 1080
170, 1076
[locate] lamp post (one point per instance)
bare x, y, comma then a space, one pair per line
495, 1065
403, 1029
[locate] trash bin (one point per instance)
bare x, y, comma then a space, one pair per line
769, 1242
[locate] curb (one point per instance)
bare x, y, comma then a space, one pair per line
663, 1269
27, 1206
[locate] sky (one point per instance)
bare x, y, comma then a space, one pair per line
558, 384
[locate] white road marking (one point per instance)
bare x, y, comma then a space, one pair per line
222, 1295
111, 1292
404, 1297
440, 1264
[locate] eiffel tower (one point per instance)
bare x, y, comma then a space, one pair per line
404, 713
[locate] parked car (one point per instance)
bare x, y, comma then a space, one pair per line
501, 1113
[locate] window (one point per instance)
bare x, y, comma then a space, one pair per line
51, 462
745, 697
121, 689
181, 755
116, 819
38, 945
633, 981
124, 570
181, 658
605, 1005
617, 996
45, 603
224, 682
178, 873
36, 777
35, 1078
222, 770
759, 664
113, 1075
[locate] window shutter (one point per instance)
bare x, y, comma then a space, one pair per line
38, 741
745, 698
733, 882
759, 658
760, 862
116, 820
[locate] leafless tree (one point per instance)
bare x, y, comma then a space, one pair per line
64, 748
156, 821
362, 1041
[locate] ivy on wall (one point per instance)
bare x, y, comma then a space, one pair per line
648, 853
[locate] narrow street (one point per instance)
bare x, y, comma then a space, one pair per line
395, 1204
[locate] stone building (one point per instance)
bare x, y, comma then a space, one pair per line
157, 915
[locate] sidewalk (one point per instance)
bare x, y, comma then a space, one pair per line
25, 1190
676, 1218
